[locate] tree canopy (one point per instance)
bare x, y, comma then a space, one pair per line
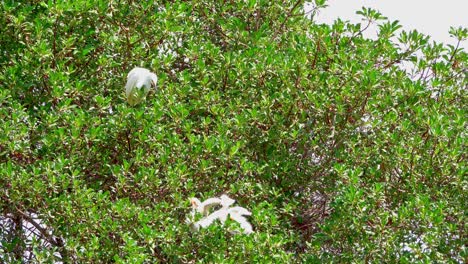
340, 152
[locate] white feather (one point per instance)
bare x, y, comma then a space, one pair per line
139, 82
243, 222
236, 213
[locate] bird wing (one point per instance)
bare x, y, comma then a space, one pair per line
226, 201
243, 222
239, 210
131, 82
204, 222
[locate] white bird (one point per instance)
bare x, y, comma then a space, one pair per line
139, 82
204, 207
236, 213
226, 201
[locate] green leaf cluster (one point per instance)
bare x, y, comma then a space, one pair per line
341, 153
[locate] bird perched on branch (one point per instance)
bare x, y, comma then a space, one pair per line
139, 82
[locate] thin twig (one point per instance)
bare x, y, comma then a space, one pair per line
287, 17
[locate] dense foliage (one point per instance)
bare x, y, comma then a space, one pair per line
339, 152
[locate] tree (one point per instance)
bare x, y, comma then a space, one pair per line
339, 152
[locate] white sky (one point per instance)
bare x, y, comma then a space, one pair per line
430, 17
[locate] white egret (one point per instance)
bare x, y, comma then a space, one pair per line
139, 82
204, 207
236, 213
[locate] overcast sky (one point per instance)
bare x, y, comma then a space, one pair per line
430, 17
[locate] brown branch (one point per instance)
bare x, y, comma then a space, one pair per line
54, 241
286, 19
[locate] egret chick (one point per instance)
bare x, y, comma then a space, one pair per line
139, 82
236, 213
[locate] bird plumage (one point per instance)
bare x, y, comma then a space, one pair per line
139, 82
